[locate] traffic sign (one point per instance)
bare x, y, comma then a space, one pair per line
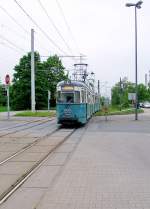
132, 96
7, 79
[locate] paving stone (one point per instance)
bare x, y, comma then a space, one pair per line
68, 147
6, 180
10, 147
4, 155
40, 149
24, 198
109, 169
56, 159
28, 157
43, 177
15, 167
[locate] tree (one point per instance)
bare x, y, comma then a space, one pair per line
55, 73
21, 88
120, 95
47, 75
143, 93
2, 95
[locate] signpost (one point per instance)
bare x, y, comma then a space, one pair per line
132, 96
7, 82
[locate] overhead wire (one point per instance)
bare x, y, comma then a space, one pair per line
13, 19
16, 22
35, 23
11, 43
13, 31
53, 24
20, 35
67, 24
14, 49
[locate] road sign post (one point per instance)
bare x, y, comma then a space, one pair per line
8, 103
7, 81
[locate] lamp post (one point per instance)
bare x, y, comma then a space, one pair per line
136, 6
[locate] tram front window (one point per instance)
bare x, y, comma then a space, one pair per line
68, 97
65, 98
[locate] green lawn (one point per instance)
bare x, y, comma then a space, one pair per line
116, 111
3, 109
37, 114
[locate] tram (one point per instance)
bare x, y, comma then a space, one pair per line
76, 100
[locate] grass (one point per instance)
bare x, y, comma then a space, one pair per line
37, 114
116, 111
3, 109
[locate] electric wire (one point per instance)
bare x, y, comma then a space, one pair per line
53, 24
13, 19
14, 49
20, 35
13, 31
16, 22
35, 23
67, 24
11, 43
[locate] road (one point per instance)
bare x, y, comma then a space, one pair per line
104, 165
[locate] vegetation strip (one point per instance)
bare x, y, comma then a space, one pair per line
122, 112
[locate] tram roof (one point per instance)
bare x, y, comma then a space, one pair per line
72, 83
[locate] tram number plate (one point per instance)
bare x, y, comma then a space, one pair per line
67, 113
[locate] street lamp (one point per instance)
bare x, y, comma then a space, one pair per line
136, 6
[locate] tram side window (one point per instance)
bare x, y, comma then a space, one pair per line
89, 97
83, 96
77, 97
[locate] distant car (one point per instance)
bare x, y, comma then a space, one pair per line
146, 104
141, 104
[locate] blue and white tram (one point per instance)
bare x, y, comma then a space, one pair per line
76, 102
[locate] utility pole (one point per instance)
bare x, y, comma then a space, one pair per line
149, 79
98, 87
120, 93
32, 73
146, 82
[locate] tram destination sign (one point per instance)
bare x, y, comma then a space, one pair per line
67, 88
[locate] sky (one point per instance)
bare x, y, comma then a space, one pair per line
101, 30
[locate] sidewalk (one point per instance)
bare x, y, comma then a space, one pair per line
109, 170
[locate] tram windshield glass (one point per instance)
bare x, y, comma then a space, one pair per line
68, 97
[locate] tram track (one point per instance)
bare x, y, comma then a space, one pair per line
27, 146
52, 141
20, 125
16, 131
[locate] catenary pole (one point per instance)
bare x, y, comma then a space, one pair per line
32, 73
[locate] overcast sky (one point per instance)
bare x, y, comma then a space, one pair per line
103, 31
